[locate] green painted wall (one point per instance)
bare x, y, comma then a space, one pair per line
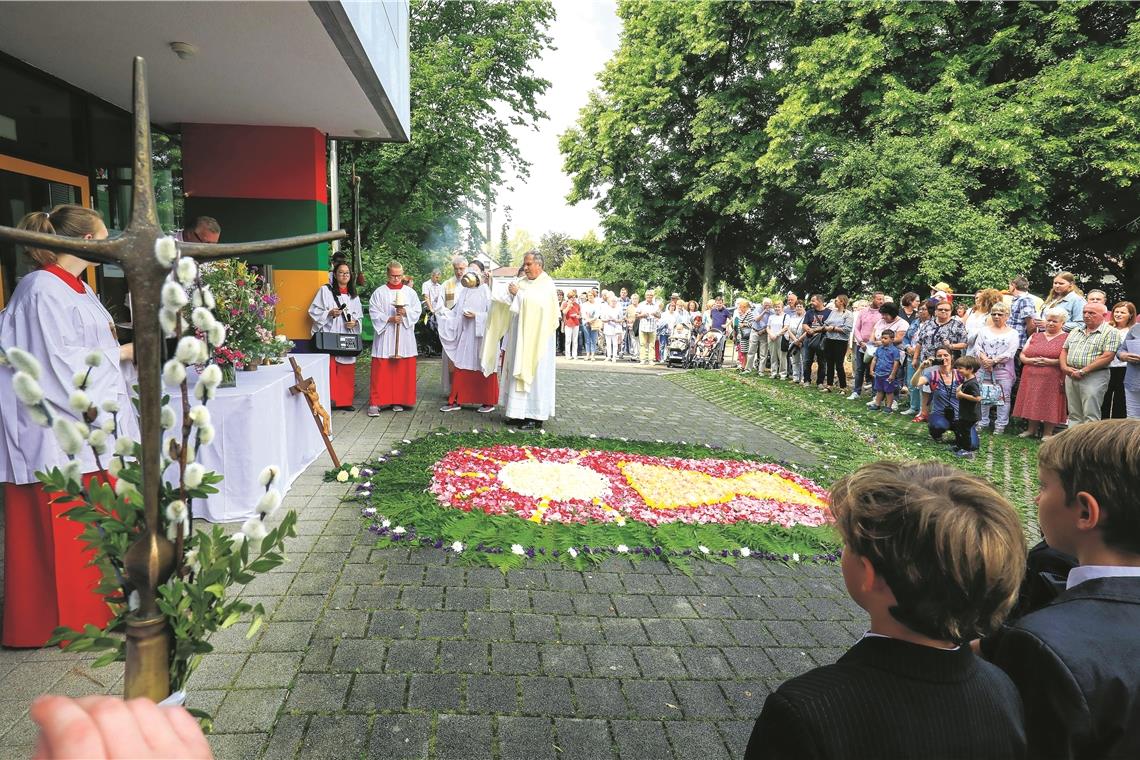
247, 219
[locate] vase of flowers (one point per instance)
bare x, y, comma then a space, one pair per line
246, 306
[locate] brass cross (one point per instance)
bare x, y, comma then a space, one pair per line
150, 561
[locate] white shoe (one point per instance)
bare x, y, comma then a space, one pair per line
894, 406
485, 409
854, 395
870, 404
450, 408
373, 411
397, 408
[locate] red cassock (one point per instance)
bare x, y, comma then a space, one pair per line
393, 382
470, 386
47, 579
342, 379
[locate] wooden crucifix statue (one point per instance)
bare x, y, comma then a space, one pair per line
150, 560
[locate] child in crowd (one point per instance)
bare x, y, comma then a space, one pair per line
885, 367
935, 557
969, 407
1076, 662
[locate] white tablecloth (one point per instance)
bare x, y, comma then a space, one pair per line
259, 423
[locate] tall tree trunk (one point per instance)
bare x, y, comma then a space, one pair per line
707, 274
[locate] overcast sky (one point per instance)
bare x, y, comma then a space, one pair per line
585, 35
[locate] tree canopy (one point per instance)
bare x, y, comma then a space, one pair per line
841, 146
471, 81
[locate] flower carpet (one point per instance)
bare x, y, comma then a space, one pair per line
505, 499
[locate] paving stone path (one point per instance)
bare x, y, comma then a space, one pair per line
404, 653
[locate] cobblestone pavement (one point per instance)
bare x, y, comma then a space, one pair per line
404, 653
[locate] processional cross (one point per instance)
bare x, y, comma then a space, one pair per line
150, 560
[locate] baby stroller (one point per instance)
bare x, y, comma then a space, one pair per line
709, 350
677, 351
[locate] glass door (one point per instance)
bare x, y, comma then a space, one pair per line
26, 187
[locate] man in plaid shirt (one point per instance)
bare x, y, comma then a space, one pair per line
1084, 361
1022, 309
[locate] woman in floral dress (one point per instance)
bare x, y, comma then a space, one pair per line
1041, 395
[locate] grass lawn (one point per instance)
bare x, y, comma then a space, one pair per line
845, 435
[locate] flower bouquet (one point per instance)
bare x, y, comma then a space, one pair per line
246, 308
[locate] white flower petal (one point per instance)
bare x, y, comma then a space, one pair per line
168, 321
22, 361
194, 474
190, 350
517, 549
211, 376
254, 528
79, 402
457, 547
269, 502
67, 435
187, 270
27, 390
268, 475
342, 476
173, 372
165, 251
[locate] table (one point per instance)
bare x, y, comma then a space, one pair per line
256, 424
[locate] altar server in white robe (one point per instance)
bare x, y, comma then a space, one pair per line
336, 308
59, 320
394, 308
446, 295
461, 331
527, 316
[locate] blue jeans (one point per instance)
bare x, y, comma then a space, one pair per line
663, 345
591, 340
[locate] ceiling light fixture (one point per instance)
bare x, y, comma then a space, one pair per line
366, 134
184, 50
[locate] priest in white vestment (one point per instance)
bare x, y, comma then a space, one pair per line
527, 317
395, 309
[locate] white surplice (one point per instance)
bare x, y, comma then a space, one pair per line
381, 306
59, 327
537, 401
462, 336
323, 302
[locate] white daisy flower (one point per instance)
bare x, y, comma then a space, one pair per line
457, 547
745, 551
703, 549
399, 530
517, 549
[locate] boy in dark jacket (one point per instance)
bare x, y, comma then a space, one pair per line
935, 556
1076, 662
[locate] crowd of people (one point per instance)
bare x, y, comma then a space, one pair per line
955, 362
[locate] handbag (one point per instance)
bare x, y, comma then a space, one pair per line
992, 394
337, 344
